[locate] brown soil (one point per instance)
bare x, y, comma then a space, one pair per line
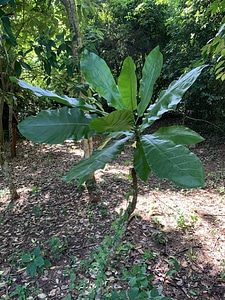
188, 225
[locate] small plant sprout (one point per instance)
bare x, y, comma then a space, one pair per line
180, 220
35, 262
35, 189
159, 237
222, 273
57, 246
174, 266
37, 211
22, 292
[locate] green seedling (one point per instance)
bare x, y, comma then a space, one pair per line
149, 255
35, 262
57, 246
22, 292
175, 266
35, 189
180, 219
140, 286
159, 237
37, 211
222, 273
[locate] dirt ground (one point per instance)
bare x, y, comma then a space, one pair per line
188, 225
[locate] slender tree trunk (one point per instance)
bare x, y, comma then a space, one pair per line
3, 161
76, 37
12, 131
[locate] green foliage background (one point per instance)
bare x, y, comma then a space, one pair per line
36, 46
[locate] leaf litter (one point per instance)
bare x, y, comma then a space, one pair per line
188, 225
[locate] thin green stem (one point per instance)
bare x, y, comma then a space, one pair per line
132, 205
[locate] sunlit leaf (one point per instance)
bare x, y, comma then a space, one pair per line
127, 84
121, 120
99, 76
150, 73
168, 99
98, 160
56, 126
173, 162
39, 92
179, 135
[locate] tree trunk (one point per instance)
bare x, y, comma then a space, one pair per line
12, 130
3, 162
76, 37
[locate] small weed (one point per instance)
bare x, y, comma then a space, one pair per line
91, 237
4, 193
72, 274
14, 259
64, 211
191, 255
159, 237
222, 273
37, 211
180, 219
140, 286
175, 266
68, 297
221, 190
196, 277
22, 292
8, 279
158, 222
214, 230
138, 277
57, 246
194, 292
194, 218
35, 189
127, 163
35, 262
149, 255
124, 247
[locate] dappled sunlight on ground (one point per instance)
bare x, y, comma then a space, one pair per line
168, 221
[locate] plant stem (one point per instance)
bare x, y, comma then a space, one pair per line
132, 205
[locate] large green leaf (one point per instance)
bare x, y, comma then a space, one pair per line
99, 76
56, 126
168, 99
141, 165
7, 27
96, 161
127, 84
120, 120
150, 73
179, 135
174, 162
39, 92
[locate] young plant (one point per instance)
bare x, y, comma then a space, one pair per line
162, 152
140, 286
35, 262
22, 292
57, 246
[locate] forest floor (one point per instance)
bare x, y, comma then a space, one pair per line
170, 225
